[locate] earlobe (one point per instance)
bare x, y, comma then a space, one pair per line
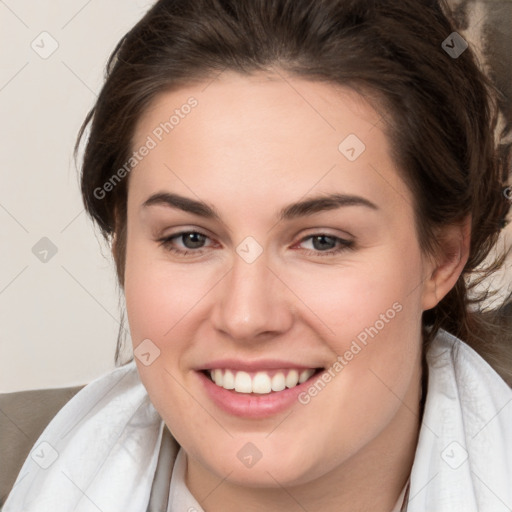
444, 269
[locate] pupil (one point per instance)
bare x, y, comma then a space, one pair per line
193, 240
322, 241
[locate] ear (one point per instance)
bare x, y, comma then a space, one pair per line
445, 267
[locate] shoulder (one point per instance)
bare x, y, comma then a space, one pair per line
24, 416
448, 351
463, 458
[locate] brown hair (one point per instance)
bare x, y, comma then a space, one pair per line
441, 114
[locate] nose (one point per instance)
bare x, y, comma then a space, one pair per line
252, 302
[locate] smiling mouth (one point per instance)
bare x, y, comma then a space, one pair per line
260, 382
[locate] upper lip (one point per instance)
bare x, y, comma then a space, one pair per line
250, 366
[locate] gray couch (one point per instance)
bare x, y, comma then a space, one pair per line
23, 417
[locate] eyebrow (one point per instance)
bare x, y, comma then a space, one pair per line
302, 208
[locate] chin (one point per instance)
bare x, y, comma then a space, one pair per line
270, 471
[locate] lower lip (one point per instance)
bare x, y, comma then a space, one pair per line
253, 405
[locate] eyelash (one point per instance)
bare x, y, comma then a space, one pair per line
344, 245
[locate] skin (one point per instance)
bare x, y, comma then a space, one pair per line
252, 146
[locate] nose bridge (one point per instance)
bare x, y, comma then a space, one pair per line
252, 301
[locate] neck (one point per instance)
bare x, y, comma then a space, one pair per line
372, 479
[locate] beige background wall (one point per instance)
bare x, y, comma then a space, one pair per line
58, 319
58, 298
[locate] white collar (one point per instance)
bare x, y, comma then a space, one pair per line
101, 450
180, 498
463, 459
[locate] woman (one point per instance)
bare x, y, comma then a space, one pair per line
296, 193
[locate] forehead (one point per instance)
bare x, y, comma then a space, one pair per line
259, 100
260, 136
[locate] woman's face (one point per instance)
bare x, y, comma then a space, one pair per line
290, 246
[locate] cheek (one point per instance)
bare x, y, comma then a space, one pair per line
376, 340
157, 299
146, 299
371, 316
157, 304
381, 289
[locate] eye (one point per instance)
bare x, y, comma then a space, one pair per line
326, 245
191, 240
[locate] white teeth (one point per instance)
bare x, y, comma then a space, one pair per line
229, 380
217, 377
261, 383
243, 382
292, 378
278, 382
305, 374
